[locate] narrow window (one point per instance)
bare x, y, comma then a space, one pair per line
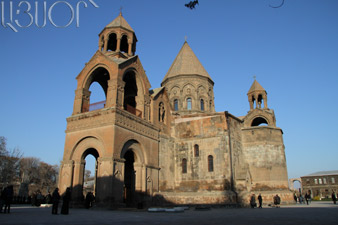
202, 104
189, 103
184, 165
196, 151
324, 180
210, 163
320, 181
316, 181
210, 105
333, 180
176, 105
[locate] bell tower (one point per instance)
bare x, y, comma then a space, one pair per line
258, 95
118, 39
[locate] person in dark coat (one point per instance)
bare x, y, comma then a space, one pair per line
334, 199
89, 200
55, 201
2, 199
260, 200
253, 201
276, 201
8, 198
66, 200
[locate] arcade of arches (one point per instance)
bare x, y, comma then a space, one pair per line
164, 145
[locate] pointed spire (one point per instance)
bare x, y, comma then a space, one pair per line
120, 22
186, 63
256, 87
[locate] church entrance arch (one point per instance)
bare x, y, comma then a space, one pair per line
90, 171
133, 172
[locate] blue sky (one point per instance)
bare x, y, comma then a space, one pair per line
293, 51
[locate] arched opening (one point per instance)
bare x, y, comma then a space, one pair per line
112, 42
129, 178
184, 165
98, 85
196, 151
259, 121
210, 163
210, 105
260, 101
189, 103
124, 44
130, 93
176, 104
202, 105
97, 97
89, 188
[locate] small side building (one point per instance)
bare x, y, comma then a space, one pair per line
321, 183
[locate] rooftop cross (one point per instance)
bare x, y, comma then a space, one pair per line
121, 10
254, 77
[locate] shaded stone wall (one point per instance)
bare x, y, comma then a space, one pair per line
264, 151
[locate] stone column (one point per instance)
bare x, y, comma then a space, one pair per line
66, 175
138, 177
112, 93
118, 44
130, 43
77, 192
104, 180
106, 38
120, 94
118, 180
81, 100
251, 102
265, 101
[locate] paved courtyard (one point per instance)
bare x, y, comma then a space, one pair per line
316, 213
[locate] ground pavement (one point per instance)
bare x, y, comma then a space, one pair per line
315, 213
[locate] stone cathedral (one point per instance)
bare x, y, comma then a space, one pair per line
167, 145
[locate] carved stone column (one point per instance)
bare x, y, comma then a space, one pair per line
147, 101
104, 180
66, 174
118, 180
251, 102
81, 102
138, 177
112, 93
77, 192
120, 94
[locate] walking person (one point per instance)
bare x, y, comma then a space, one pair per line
8, 198
276, 200
334, 199
253, 201
55, 201
2, 199
260, 200
66, 199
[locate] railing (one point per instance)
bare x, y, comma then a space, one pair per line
101, 105
97, 105
134, 111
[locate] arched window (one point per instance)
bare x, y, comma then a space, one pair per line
202, 104
210, 163
188, 103
196, 150
112, 41
176, 104
124, 44
184, 165
161, 112
259, 121
210, 105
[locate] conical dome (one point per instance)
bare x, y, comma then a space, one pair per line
186, 63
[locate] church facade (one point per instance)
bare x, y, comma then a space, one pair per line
167, 145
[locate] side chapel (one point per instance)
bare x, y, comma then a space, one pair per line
167, 145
